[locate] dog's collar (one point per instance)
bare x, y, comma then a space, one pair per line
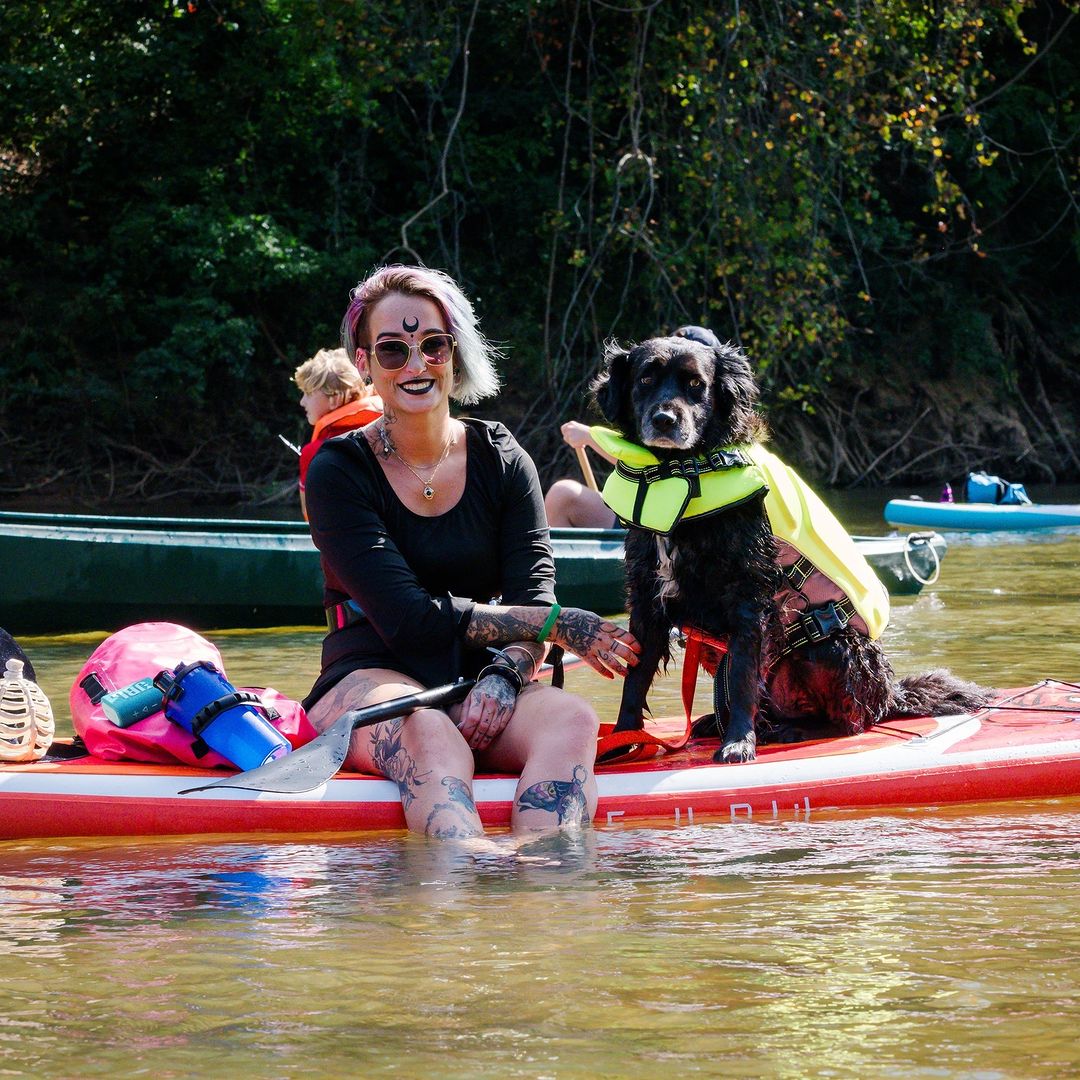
657, 495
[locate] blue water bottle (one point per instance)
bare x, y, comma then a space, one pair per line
200, 699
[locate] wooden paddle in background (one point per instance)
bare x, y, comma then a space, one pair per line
586, 468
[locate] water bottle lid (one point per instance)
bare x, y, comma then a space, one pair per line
14, 669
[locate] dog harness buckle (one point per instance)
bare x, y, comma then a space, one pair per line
823, 621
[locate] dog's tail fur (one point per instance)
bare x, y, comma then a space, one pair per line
937, 693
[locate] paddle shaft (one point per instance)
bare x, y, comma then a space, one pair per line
422, 699
292, 446
586, 468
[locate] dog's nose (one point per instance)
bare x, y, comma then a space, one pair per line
664, 419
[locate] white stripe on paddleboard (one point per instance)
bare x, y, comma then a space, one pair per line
927, 753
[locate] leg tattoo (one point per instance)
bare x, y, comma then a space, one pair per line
396, 763
460, 804
564, 798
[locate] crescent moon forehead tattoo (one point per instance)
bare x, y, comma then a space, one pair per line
410, 326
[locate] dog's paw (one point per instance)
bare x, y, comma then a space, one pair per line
735, 753
779, 731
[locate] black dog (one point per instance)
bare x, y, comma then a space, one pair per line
721, 573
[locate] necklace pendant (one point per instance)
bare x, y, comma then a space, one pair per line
429, 492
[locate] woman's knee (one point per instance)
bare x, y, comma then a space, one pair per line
570, 504
433, 741
559, 500
565, 717
581, 718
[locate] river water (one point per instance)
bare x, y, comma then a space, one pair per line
925, 943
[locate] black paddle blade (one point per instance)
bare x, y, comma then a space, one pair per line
314, 764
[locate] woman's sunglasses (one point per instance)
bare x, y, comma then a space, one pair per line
393, 354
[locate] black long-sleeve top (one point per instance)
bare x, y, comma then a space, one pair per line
417, 579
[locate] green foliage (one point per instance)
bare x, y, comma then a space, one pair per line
188, 190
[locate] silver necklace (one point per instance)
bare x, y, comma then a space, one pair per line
389, 448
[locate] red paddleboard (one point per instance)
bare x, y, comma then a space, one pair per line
1025, 746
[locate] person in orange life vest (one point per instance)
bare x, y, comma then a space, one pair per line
569, 502
335, 399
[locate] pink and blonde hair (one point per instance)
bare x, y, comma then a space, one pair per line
475, 376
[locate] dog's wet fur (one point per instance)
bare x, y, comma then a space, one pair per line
682, 398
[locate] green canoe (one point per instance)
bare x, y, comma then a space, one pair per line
71, 572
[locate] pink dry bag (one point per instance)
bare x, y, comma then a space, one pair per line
140, 652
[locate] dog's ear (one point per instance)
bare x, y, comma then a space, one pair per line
611, 388
734, 368
736, 394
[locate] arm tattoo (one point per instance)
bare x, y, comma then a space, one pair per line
524, 657
529, 656
564, 798
490, 626
577, 629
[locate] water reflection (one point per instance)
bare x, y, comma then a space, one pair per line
919, 945
105, 885
784, 949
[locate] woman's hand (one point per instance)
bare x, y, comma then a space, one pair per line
605, 647
486, 711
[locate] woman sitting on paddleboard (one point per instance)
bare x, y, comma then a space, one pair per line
421, 519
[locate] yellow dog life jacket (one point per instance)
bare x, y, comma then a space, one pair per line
656, 496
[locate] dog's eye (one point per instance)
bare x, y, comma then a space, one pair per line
695, 382
645, 380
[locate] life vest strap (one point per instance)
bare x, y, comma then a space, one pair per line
695, 639
618, 747
338, 616
714, 461
636, 745
799, 572
817, 624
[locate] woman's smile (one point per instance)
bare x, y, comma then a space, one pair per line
417, 387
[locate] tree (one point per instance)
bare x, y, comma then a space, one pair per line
876, 200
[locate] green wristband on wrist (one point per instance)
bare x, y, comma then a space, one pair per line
549, 624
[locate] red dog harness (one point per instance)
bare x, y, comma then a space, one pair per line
636, 745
